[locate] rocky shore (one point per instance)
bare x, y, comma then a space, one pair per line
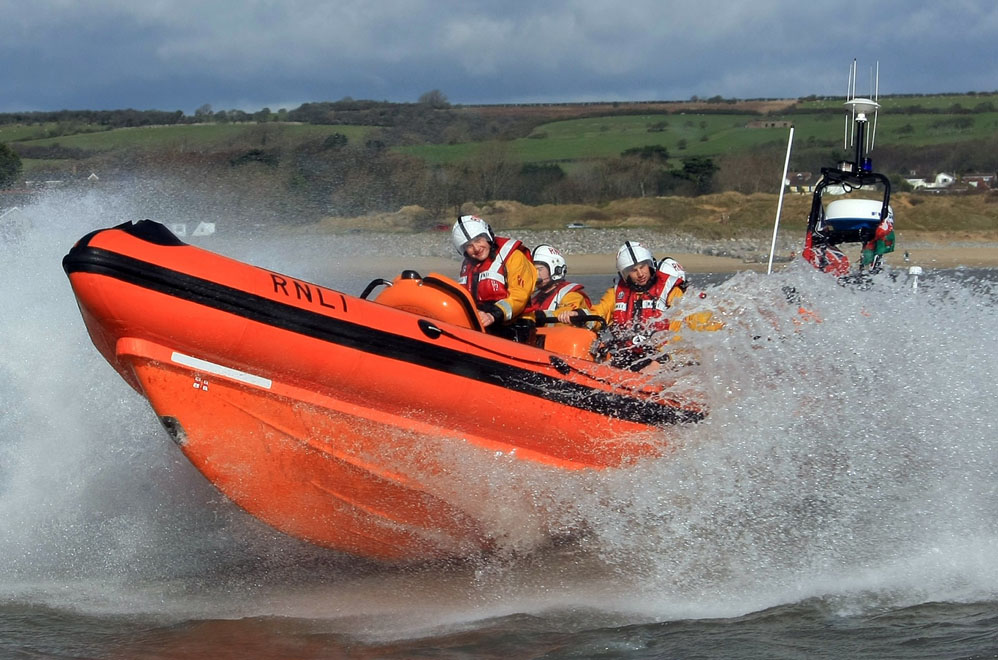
569, 241
591, 250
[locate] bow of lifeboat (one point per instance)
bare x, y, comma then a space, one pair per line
335, 418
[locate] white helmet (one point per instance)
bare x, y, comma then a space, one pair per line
550, 257
467, 228
632, 254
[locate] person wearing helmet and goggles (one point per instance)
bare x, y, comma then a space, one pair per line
497, 271
553, 294
635, 307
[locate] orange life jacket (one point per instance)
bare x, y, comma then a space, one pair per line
642, 310
550, 301
486, 280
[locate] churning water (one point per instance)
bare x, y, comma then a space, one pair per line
841, 499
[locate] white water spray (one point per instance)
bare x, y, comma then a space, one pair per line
847, 453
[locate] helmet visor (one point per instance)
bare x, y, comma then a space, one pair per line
464, 246
630, 269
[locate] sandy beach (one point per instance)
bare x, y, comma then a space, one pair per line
935, 257
592, 251
597, 264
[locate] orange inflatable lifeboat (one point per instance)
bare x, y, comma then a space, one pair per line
295, 400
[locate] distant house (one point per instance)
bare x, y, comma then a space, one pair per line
941, 182
761, 123
799, 182
979, 181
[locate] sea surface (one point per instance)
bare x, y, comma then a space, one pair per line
839, 501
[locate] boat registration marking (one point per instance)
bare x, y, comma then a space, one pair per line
219, 370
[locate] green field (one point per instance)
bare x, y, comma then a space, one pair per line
20, 133
571, 143
31, 166
603, 137
711, 135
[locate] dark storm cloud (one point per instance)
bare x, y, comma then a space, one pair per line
179, 54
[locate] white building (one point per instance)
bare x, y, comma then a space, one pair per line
942, 180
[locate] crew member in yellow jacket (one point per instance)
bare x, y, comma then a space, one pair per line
635, 308
497, 271
554, 294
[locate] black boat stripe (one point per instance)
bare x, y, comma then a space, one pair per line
83, 258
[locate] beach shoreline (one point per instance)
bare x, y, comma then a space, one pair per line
985, 256
592, 251
931, 258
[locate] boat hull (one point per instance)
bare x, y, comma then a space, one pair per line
337, 419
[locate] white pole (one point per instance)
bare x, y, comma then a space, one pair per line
779, 206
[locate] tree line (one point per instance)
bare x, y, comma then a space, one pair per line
100, 118
10, 166
914, 109
284, 183
334, 175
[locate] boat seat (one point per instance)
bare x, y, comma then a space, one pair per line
435, 296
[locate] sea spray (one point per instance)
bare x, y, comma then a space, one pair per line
92, 493
849, 440
848, 454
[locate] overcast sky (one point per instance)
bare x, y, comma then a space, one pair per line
250, 54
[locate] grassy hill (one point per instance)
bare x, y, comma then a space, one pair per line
437, 159
591, 131
157, 139
715, 134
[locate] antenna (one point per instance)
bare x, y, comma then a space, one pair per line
876, 99
860, 110
850, 93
